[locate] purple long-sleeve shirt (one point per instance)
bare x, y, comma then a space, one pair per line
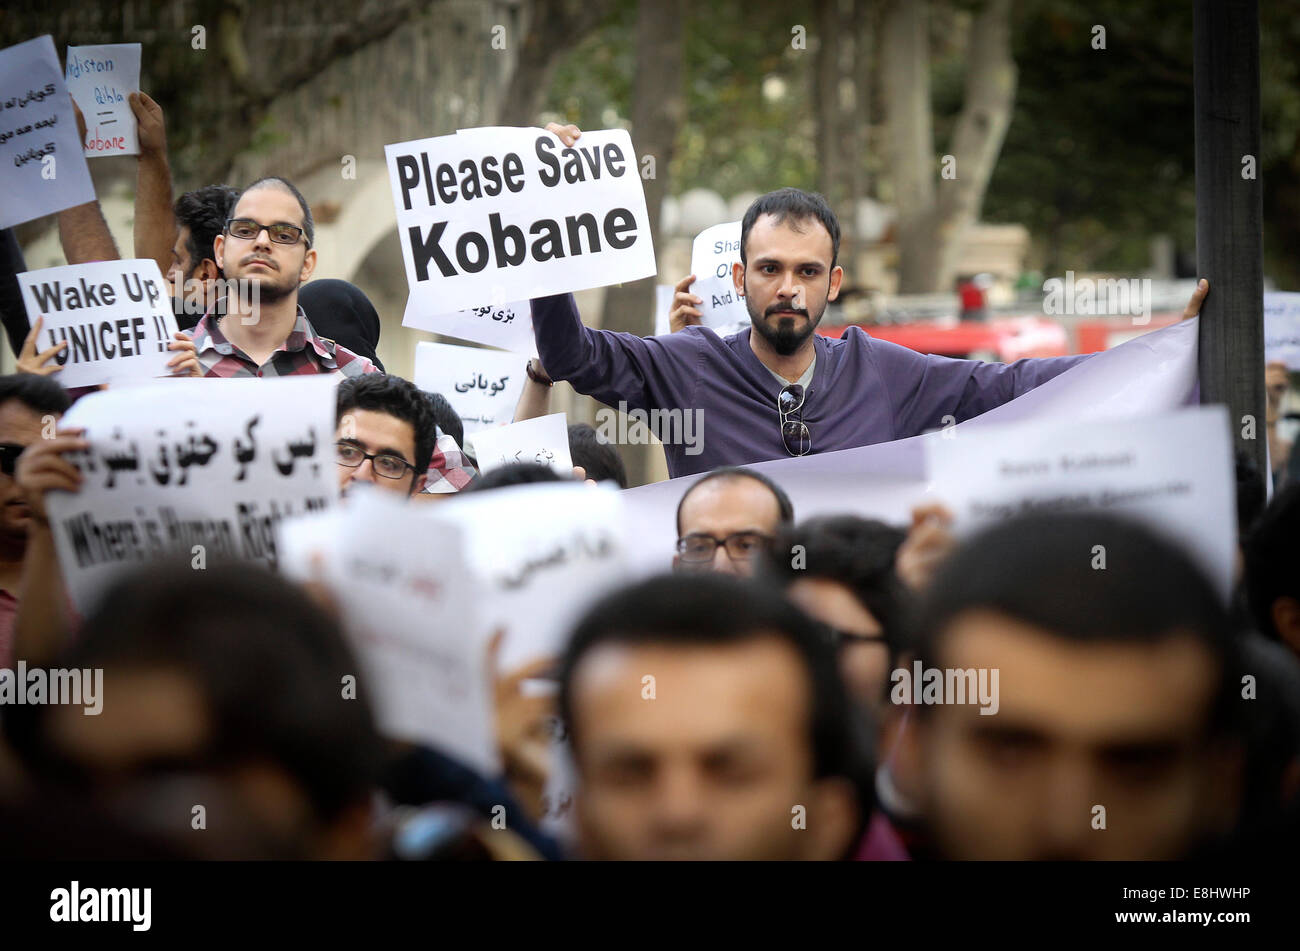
863, 391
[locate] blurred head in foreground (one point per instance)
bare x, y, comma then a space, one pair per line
840, 570
1112, 733
708, 720
227, 727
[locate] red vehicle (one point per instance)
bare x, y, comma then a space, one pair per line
1008, 338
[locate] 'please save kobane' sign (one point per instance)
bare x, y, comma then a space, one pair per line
511, 214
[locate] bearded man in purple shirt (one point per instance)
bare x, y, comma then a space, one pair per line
779, 389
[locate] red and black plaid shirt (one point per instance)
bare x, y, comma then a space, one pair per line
303, 351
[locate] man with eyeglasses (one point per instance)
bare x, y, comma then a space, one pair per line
727, 519
779, 390
27, 402
267, 240
386, 434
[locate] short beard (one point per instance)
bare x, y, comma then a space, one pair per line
785, 340
269, 292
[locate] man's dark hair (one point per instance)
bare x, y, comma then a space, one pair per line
204, 212
1272, 556
1039, 570
795, 205
274, 181
517, 473
713, 610
783, 503
855, 552
399, 398
600, 460
448, 419
268, 663
40, 394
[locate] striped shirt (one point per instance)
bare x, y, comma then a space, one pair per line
303, 351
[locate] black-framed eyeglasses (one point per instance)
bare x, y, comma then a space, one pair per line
794, 432
840, 638
384, 463
9, 453
246, 229
699, 548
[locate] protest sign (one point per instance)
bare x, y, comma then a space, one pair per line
1282, 328
482, 386
713, 253
1172, 471
515, 208
100, 78
542, 554
191, 470
42, 166
115, 316
508, 326
543, 440
423, 654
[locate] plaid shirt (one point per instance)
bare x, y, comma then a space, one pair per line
449, 470
303, 351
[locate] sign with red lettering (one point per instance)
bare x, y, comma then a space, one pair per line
100, 78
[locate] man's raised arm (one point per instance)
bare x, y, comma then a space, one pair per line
155, 225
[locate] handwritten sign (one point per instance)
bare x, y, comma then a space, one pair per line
425, 653
515, 208
100, 78
115, 316
508, 326
42, 167
542, 554
483, 386
713, 253
1173, 471
192, 469
1282, 328
543, 440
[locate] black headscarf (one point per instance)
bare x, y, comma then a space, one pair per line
340, 311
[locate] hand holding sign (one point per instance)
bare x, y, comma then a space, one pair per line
150, 126
29, 361
42, 468
685, 313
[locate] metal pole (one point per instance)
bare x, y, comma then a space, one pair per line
1229, 211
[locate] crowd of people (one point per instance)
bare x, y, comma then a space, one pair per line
800, 701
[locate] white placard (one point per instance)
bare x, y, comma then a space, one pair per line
1282, 328
713, 253
412, 616
503, 214
42, 167
542, 553
182, 463
100, 78
507, 326
1173, 472
116, 317
482, 386
543, 440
